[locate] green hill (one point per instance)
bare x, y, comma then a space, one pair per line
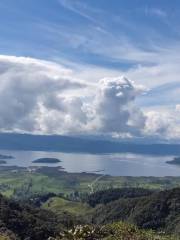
60, 218
158, 211
59, 205
25, 221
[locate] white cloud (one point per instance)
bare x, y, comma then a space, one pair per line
78, 8
164, 123
41, 96
178, 108
158, 12
27, 85
45, 97
113, 109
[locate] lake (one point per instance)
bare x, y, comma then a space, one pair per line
122, 164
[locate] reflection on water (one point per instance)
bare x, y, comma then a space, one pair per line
114, 164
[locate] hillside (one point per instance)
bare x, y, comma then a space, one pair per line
158, 211
26, 221
106, 196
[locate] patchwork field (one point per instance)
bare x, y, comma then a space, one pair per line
21, 181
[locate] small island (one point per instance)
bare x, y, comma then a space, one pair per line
47, 160
3, 162
175, 161
5, 156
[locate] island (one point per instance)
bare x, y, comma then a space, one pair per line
5, 156
175, 161
2, 162
47, 160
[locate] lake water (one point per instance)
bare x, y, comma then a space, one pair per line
114, 164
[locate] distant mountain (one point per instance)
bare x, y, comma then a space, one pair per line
78, 144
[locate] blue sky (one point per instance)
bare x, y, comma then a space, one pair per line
96, 39
74, 29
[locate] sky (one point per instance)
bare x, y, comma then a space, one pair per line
108, 68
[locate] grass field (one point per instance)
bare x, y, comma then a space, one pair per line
59, 205
52, 180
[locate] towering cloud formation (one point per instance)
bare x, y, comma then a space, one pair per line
114, 109
43, 97
40, 96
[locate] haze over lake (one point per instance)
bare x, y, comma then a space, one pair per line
122, 164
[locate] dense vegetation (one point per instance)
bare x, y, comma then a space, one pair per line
147, 209
2, 161
115, 231
49, 202
26, 221
106, 196
175, 161
2, 156
158, 211
47, 160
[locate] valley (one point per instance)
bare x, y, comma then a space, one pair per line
14, 180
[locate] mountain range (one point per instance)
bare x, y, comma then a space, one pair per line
59, 143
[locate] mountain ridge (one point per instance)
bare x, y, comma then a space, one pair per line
60, 143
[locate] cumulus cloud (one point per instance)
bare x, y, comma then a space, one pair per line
164, 123
44, 97
28, 85
178, 107
41, 96
113, 108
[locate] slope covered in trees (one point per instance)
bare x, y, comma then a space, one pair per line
109, 195
159, 211
146, 209
26, 221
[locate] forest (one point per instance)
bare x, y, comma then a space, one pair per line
125, 213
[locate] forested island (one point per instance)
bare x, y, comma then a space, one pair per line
175, 161
3, 162
2, 156
47, 160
